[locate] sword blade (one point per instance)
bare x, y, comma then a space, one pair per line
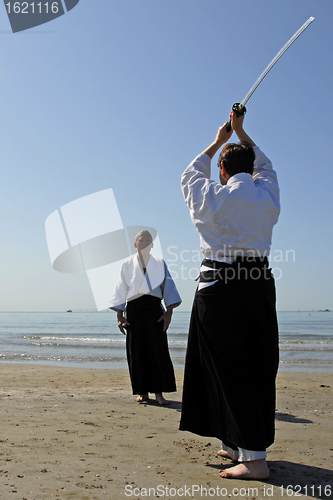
276, 58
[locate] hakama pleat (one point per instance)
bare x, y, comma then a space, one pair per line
148, 357
231, 364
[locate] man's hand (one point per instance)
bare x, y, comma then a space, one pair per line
236, 122
237, 125
122, 321
221, 138
166, 318
222, 135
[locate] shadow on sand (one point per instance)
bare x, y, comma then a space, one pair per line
287, 417
290, 480
171, 405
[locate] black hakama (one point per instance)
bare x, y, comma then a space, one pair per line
148, 357
232, 359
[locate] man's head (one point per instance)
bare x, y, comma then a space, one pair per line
143, 240
236, 158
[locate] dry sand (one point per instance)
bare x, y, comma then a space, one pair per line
77, 433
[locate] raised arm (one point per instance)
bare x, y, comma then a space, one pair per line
221, 138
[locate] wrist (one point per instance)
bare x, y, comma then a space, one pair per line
220, 139
239, 131
213, 148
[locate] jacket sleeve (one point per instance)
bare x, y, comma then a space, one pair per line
265, 177
169, 290
118, 299
199, 190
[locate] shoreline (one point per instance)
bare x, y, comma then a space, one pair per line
178, 366
77, 433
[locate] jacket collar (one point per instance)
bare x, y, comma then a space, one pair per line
241, 177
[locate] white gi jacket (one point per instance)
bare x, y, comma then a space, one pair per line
132, 283
236, 219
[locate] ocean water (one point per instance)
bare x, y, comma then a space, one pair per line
92, 340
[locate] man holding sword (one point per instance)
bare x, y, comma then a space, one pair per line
232, 355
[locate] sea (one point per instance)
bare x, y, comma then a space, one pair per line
92, 339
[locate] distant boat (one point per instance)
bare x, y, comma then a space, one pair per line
69, 311
324, 310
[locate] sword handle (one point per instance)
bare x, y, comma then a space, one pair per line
239, 110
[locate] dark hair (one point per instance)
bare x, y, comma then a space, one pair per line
237, 158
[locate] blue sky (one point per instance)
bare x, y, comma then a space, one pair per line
125, 94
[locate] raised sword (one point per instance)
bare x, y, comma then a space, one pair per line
239, 107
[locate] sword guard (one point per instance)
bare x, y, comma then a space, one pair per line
239, 110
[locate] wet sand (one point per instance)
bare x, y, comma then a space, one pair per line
77, 433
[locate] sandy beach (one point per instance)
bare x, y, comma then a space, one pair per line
78, 433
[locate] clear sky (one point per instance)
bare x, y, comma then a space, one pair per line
124, 94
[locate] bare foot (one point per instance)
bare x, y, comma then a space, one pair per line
225, 454
160, 399
254, 469
142, 398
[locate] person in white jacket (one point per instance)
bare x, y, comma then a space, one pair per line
232, 354
144, 281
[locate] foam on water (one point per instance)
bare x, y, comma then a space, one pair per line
92, 340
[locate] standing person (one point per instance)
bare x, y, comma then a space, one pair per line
144, 281
232, 354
